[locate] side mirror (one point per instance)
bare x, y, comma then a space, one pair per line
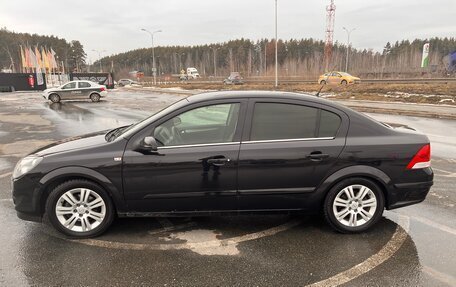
150, 144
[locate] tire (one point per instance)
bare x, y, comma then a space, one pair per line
55, 98
95, 97
323, 82
366, 210
344, 82
76, 218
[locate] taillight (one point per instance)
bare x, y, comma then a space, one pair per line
422, 158
102, 89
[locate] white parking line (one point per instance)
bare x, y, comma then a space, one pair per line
5, 174
434, 224
189, 245
388, 250
6, 199
442, 277
447, 173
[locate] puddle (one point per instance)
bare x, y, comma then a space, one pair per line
71, 119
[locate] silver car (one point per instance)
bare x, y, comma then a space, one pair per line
76, 90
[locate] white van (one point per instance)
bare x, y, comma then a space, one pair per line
192, 73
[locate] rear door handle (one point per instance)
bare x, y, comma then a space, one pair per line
218, 161
317, 156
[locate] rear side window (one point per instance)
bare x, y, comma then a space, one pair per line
275, 121
84, 85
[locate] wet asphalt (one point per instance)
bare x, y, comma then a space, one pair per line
412, 246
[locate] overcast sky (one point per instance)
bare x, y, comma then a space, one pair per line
115, 25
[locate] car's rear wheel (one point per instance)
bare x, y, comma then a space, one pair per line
354, 205
95, 97
80, 209
323, 82
54, 98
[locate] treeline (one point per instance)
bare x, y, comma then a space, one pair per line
302, 58
70, 55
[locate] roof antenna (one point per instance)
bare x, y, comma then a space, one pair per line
318, 93
323, 83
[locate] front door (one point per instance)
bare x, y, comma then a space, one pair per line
287, 150
195, 167
67, 92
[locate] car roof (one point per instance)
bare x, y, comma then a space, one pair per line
220, 95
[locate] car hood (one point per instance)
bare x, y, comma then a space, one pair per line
73, 143
51, 90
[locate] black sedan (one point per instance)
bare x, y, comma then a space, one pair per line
228, 152
234, 79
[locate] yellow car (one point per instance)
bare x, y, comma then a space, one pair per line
338, 78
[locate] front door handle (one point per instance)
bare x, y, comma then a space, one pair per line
317, 156
218, 161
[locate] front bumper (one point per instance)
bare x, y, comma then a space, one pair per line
27, 194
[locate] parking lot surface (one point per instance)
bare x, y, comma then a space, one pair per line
412, 246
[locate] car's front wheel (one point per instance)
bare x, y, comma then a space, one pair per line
354, 205
80, 209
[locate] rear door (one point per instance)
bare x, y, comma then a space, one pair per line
287, 149
85, 88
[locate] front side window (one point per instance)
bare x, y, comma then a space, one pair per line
209, 124
277, 121
69, 86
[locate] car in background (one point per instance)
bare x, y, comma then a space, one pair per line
127, 82
228, 152
338, 78
76, 90
235, 78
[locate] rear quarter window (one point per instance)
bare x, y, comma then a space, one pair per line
329, 124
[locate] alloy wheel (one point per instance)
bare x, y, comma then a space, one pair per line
355, 205
80, 210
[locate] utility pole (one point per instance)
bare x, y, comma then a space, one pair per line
330, 18
276, 61
99, 58
348, 46
154, 69
215, 60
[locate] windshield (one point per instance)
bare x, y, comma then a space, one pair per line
345, 74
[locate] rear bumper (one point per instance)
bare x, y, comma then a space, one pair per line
404, 194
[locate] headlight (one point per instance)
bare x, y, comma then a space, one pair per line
26, 164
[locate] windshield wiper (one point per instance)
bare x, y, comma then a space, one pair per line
114, 133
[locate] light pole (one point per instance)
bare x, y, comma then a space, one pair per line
99, 57
215, 60
180, 62
276, 61
153, 52
348, 46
